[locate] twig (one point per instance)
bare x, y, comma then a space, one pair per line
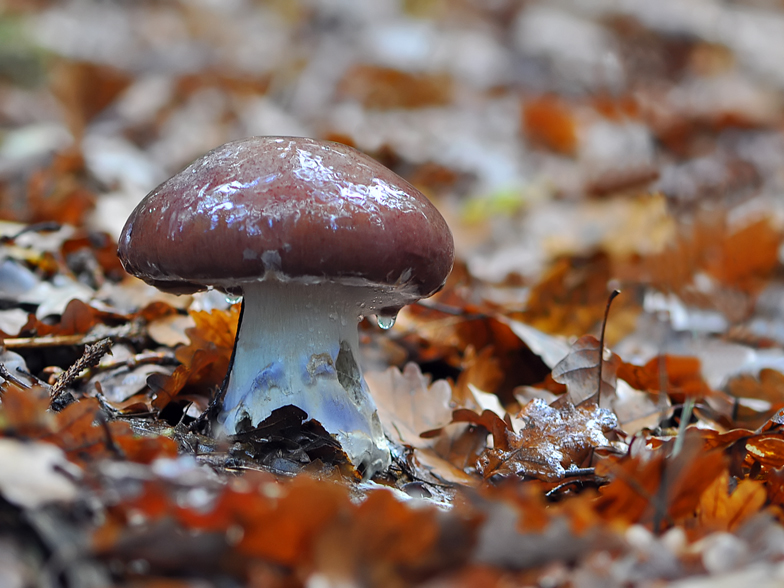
46, 341
688, 407
108, 439
612, 297
125, 331
91, 356
9, 377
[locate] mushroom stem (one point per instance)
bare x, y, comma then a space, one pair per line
298, 345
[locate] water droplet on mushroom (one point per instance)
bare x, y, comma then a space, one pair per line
233, 298
386, 321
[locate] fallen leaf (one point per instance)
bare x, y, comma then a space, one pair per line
679, 377
385, 88
34, 474
579, 372
723, 508
408, 404
549, 122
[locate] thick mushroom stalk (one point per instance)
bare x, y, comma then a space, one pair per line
298, 345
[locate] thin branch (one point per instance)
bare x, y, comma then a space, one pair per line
9, 377
91, 356
46, 341
612, 297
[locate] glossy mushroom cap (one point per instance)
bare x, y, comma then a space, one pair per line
292, 207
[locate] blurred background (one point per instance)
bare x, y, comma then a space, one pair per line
571, 145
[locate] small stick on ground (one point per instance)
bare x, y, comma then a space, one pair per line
90, 358
9, 377
613, 294
47, 341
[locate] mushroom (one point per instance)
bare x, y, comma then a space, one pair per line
313, 235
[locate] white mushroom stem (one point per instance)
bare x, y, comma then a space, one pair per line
298, 345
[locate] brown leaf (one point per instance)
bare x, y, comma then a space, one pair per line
383, 542
571, 297
767, 449
579, 371
205, 360
77, 319
759, 397
746, 255
55, 193
85, 89
23, 413
679, 376
494, 424
662, 489
385, 88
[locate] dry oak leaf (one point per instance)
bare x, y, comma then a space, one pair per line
408, 404
205, 360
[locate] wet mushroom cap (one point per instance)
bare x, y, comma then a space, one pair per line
295, 207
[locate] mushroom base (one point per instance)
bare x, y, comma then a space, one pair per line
297, 345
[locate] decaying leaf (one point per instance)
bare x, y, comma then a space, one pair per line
81, 430
579, 372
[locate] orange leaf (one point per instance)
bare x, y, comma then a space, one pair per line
680, 376
548, 121
385, 88
723, 510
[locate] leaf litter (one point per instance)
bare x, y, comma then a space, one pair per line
658, 173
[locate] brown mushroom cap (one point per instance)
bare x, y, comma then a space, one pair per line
299, 208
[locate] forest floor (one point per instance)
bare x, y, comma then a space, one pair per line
575, 149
